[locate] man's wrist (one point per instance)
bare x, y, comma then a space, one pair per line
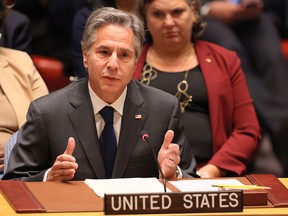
179, 174
46, 175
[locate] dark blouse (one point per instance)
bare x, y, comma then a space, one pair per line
196, 116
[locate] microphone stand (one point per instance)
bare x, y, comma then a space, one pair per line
145, 137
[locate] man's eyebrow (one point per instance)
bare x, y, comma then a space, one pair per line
102, 47
108, 48
125, 50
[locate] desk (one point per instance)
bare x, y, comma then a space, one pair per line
6, 210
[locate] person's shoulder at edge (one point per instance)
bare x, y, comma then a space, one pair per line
19, 61
14, 14
9, 53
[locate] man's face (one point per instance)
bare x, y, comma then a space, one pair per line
111, 61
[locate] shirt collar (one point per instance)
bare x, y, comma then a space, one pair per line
99, 104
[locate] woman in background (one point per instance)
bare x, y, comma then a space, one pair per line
218, 112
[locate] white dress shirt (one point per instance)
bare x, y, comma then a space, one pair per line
99, 104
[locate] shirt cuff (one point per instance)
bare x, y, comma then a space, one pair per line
46, 175
179, 174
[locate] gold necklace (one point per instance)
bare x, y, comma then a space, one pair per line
149, 74
183, 91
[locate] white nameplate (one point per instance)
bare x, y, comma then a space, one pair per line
178, 202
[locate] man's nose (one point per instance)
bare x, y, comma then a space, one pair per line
113, 62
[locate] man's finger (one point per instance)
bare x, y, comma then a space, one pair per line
70, 146
168, 138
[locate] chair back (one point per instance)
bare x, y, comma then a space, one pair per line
52, 72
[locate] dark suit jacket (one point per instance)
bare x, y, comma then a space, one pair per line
16, 32
234, 124
52, 119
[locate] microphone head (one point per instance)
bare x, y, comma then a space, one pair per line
144, 135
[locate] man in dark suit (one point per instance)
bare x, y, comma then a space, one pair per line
111, 45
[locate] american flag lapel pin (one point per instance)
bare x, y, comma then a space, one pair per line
138, 116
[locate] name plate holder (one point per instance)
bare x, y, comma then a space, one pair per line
175, 202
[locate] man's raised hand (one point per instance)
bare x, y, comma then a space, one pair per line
65, 166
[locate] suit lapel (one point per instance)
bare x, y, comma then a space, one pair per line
82, 118
209, 66
132, 123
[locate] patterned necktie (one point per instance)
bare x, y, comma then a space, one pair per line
108, 140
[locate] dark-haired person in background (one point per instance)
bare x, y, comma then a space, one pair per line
16, 30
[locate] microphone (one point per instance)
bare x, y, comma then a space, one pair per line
145, 137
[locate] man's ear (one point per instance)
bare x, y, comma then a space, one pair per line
135, 65
85, 58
